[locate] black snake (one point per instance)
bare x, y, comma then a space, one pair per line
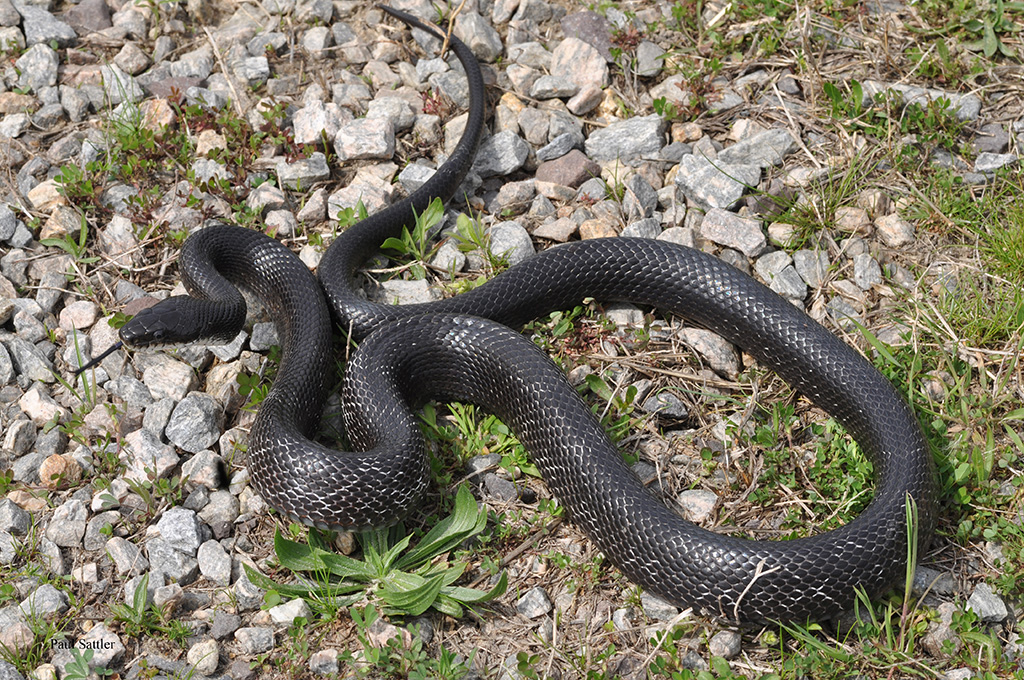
449, 350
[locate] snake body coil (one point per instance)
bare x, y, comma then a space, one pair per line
449, 350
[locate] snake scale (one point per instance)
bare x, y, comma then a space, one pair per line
462, 349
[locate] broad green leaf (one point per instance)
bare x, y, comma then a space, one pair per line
857, 95
449, 606
450, 572
991, 42
141, 597
473, 596
466, 520
292, 591
408, 592
598, 386
432, 215
296, 556
388, 559
348, 568
393, 243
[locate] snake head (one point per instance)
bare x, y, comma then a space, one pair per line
169, 322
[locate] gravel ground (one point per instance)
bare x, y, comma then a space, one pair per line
140, 472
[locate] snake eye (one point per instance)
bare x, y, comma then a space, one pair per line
159, 334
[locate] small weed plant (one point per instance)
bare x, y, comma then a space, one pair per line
400, 580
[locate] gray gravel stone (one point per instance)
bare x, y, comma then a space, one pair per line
531, 54
26, 468
697, 504
842, 312
41, 27
866, 271
264, 336
648, 227
204, 656
930, 580
638, 137
534, 602
482, 463
95, 537
500, 154
640, 198
991, 138
8, 547
147, 456
479, 35
134, 584
989, 607
196, 422
222, 508
181, 530
553, 87
248, 596
721, 356
67, 526
173, 564
990, 162
557, 147
303, 173
650, 59
812, 266
732, 231
579, 62
224, 624
106, 645
19, 438
126, 556
289, 611
120, 87
37, 67
499, 488
725, 644
788, 284
13, 519
324, 662
714, 184
155, 418
45, 601
624, 314
28, 360
397, 110
365, 139
214, 562
656, 608
665, 404
510, 240
9, 672
399, 292
255, 640
7, 371
764, 149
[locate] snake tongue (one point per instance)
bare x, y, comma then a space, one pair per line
95, 360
